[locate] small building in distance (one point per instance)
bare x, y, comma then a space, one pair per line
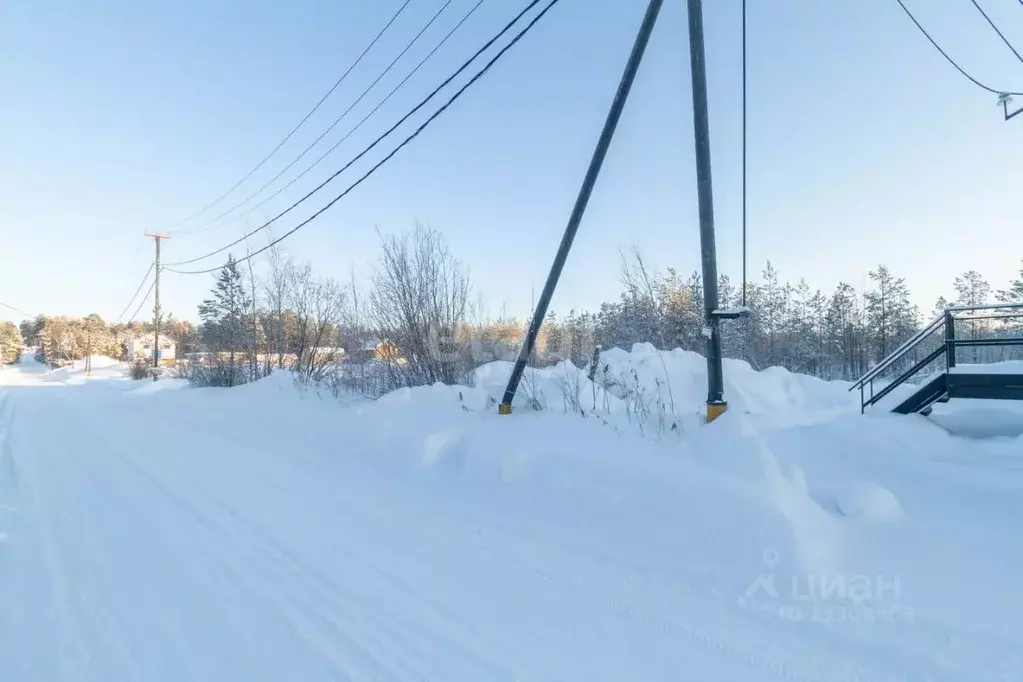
140, 349
377, 349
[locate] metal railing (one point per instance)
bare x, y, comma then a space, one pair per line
946, 325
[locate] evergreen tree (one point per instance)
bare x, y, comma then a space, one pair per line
774, 305
224, 315
890, 315
845, 331
1014, 294
973, 290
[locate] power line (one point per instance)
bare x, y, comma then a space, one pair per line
133, 296
390, 130
142, 302
17, 310
305, 118
405, 142
203, 227
138, 251
357, 126
1000, 34
949, 59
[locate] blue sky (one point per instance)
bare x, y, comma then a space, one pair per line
121, 117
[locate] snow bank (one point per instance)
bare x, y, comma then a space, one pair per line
644, 384
148, 387
682, 375
670, 383
102, 368
422, 535
869, 501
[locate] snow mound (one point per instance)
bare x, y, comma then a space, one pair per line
675, 381
869, 501
102, 368
103, 362
149, 387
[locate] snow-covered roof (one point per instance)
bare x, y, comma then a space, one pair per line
149, 337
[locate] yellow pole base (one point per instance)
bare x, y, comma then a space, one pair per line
504, 408
715, 410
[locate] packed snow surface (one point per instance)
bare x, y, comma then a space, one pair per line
268, 533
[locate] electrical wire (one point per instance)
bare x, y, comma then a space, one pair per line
205, 227
142, 302
138, 250
405, 142
1000, 34
17, 310
305, 118
390, 130
135, 295
341, 141
949, 59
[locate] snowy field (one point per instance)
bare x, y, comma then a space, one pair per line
158, 532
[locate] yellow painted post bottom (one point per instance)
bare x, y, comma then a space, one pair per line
715, 410
504, 408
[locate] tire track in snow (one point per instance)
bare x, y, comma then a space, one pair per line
799, 666
233, 551
282, 563
8, 469
110, 453
220, 446
278, 563
37, 534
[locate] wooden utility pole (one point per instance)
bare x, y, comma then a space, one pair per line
88, 347
156, 305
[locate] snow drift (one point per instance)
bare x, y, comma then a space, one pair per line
265, 533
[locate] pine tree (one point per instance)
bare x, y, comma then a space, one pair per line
818, 310
799, 330
224, 315
774, 306
973, 290
1014, 294
681, 306
740, 338
890, 315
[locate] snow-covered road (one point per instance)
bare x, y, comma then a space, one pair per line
196, 535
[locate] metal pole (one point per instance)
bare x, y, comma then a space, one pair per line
1005, 107
950, 340
701, 129
744, 285
613, 116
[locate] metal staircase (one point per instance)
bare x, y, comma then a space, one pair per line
915, 356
